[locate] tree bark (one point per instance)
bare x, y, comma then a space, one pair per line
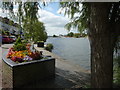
101, 46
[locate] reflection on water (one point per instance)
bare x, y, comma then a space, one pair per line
76, 50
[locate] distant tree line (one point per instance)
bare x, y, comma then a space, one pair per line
76, 35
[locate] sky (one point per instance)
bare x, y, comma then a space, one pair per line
54, 21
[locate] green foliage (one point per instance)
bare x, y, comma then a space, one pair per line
4, 32
117, 76
116, 69
70, 34
86, 86
0, 31
31, 10
40, 33
79, 22
49, 47
18, 41
19, 45
35, 32
24, 41
77, 35
117, 45
7, 6
54, 36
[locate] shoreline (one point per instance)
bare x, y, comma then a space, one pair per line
61, 60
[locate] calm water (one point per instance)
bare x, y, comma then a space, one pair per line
76, 50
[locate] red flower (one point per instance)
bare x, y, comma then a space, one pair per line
14, 58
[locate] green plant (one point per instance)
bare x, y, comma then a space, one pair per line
4, 32
76, 35
55, 36
35, 32
19, 47
116, 69
18, 41
70, 34
118, 76
49, 47
86, 86
24, 41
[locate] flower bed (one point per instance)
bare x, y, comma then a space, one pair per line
24, 55
21, 52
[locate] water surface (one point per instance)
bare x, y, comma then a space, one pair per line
75, 50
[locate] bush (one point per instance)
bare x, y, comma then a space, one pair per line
19, 47
54, 36
49, 47
18, 41
25, 41
70, 34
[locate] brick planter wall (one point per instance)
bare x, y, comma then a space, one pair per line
16, 75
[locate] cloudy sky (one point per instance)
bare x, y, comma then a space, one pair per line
51, 18
53, 21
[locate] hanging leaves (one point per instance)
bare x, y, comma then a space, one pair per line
78, 13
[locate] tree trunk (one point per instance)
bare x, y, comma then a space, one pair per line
101, 46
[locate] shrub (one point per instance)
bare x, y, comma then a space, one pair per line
18, 41
54, 36
70, 34
49, 47
19, 47
25, 41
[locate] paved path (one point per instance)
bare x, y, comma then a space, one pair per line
67, 75
3, 48
0, 67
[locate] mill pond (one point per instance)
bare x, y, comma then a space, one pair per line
74, 50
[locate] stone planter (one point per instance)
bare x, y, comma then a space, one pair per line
21, 74
40, 44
